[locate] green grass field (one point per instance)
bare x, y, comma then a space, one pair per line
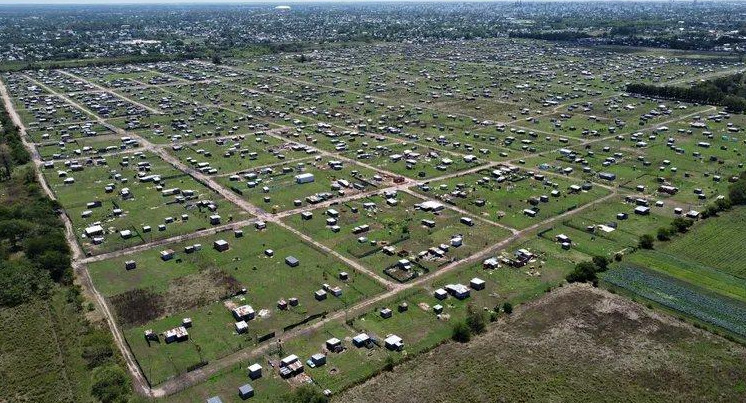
724, 238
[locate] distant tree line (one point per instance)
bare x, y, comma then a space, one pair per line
728, 91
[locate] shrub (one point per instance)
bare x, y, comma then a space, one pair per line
110, 384
475, 320
461, 332
306, 394
583, 272
508, 308
646, 242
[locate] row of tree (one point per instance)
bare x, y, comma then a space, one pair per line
736, 197
729, 92
33, 249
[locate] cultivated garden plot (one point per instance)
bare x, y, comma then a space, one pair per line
120, 201
286, 281
512, 196
277, 189
398, 234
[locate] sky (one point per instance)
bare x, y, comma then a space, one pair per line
16, 2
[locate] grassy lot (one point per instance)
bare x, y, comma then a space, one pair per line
41, 353
594, 347
505, 202
240, 152
412, 160
399, 226
186, 286
147, 207
283, 189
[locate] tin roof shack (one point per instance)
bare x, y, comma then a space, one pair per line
245, 391
221, 245
94, 230
214, 399
304, 178
241, 326
362, 340
243, 312
316, 360
320, 295
334, 345
130, 264
292, 261
491, 263
176, 334
431, 205
394, 343
459, 291
255, 371
477, 284
290, 366
440, 294
167, 254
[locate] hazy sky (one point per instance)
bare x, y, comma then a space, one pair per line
2, 2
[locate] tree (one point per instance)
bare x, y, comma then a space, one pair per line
216, 59
57, 263
664, 234
646, 242
737, 191
508, 308
475, 320
110, 384
583, 272
461, 332
681, 224
601, 262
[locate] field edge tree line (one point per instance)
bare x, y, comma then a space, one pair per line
35, 264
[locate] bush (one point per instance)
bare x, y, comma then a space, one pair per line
475, 320
461, 332
306, 394
601, 262
663, 234
583, 272
110, 384
681, 224
508, 308
646, 242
